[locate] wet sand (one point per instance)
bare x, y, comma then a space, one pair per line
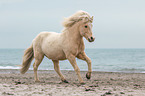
101, 84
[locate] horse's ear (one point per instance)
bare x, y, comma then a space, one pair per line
92, 18
85, 19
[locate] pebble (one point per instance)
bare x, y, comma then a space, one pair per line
87, 88
5, 93
122, 93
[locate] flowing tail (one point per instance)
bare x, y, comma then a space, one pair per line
27, 59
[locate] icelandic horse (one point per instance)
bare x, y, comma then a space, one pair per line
68, 44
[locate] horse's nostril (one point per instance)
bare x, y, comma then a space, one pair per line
92, 38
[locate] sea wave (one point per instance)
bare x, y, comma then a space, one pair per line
133, 70
126, 70
9, 67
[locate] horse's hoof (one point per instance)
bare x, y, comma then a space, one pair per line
88, 76
65, 81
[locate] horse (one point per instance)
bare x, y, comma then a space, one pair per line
68, 44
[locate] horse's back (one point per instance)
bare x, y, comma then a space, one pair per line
43, 35
40, 40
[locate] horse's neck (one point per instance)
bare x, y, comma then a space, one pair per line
74, 34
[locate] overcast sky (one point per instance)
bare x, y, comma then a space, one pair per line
117, 23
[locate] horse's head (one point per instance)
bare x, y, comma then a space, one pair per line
86, 29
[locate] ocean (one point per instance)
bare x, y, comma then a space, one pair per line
106, 60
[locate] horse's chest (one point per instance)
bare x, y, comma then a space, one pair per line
76, 50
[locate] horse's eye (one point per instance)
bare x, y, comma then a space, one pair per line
86, 26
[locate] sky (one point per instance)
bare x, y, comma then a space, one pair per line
117, 23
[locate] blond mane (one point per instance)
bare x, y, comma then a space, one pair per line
78, 16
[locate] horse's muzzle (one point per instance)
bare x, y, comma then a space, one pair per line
91, 39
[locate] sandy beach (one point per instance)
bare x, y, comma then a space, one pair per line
101, 84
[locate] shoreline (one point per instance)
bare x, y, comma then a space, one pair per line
101, 83
45, 70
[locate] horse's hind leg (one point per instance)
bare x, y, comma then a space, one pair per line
35, 66
57, 69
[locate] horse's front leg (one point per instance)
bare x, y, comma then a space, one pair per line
84, 57
72, 60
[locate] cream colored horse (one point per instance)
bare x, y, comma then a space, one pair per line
61, 46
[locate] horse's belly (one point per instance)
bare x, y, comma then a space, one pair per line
55, 54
